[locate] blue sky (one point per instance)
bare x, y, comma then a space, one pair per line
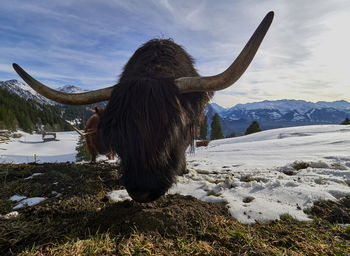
305, 55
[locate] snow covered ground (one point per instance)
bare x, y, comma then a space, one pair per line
252, 174
23, 149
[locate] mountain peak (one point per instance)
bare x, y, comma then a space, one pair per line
71, 89
24, 91
217, 108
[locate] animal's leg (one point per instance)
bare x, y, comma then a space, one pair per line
93, 159
110, 156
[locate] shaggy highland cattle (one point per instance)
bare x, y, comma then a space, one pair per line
155, 109
94, 145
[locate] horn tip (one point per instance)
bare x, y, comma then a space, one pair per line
17, 68
270, 14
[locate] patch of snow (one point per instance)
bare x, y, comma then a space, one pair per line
17, 198
119, 195
9, 215
297, 117
275, 115
33, 175
29, 202
310, 113
74, 122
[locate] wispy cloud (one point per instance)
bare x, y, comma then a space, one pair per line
304, 55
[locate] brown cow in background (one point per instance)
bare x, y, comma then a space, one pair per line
94, 145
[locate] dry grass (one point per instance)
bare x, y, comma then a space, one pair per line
61, 225
221, 237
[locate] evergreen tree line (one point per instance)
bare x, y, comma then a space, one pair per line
28, 115
216, 130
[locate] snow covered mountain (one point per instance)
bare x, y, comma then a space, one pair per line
217, 108
285, 106
279, 113
71, 89
26, 92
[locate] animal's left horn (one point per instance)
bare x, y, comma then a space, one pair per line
82, 133
234, 72
61, 97
91, 110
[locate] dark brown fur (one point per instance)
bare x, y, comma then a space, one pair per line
148, 122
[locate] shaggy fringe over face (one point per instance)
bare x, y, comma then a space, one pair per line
146, 125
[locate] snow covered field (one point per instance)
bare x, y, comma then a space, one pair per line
253, 174
22, 150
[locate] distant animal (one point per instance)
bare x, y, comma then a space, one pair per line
202, 143
155, 109
94, 145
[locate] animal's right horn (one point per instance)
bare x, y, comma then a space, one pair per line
234, 72
61, 97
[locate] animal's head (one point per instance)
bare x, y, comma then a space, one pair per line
99, 111
154, 110
92, 123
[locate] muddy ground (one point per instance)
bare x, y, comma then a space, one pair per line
76, 208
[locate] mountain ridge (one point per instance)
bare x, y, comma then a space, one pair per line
279, 113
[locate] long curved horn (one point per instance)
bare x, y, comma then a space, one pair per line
61, 97
91, 110
234, 72
83, 133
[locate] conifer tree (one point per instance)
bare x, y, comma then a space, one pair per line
231, 135
253, 128
216, 131
204, 129
82, 154
346, 121
27, 124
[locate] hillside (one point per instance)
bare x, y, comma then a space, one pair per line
22, 107
28, 115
